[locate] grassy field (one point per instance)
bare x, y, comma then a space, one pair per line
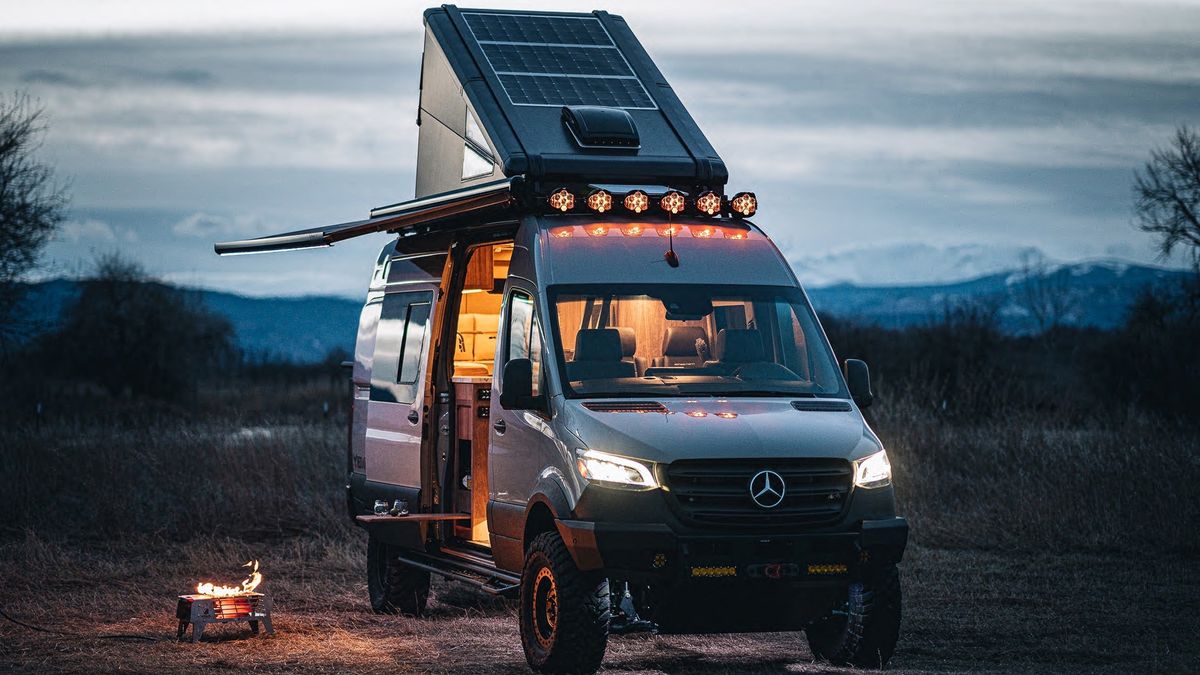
1037, 547
965, 611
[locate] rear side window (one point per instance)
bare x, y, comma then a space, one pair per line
400, 347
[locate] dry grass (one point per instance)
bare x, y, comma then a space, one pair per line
965, 611
1037, 546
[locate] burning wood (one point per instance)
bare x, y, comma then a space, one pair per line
248, 585
220, 604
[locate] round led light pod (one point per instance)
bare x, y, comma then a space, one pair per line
743, 204
637, 201
600, 201
708, 203
562, 200
673, 203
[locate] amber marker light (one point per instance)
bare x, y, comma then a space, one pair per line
708, 203
743, 204
562, 232
697, 413
673, 203
735, 234
596, 230
562, 200
705, 231
669, 230
633, 230
637, 201
600, 201
727, 415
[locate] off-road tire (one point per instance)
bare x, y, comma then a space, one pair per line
395, 588
564, 612
865, 635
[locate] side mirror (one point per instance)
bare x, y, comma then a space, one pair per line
858, 378
516, 386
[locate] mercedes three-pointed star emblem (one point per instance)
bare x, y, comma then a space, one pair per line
767, 488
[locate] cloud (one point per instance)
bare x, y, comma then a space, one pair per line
93, 231
90, 230
207, 225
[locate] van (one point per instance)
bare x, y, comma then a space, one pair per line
585, 378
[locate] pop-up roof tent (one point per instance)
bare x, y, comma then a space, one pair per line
519, 101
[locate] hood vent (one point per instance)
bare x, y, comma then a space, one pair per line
821, 405
626, 406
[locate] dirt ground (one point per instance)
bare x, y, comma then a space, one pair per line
964, 611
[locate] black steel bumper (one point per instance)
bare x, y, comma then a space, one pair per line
636, 536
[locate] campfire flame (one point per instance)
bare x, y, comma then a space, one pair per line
248, 585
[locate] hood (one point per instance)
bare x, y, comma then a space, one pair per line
722, 428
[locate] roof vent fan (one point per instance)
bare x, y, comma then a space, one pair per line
599, 127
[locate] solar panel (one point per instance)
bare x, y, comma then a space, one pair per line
557, 60
560, 90
547, 59
538, 30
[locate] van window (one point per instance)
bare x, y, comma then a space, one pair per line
525, 334
690, 340
400, 347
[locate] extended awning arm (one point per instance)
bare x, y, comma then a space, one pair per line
446, 206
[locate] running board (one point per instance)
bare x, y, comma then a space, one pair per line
489, 579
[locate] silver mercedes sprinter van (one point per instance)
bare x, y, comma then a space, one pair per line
586, 379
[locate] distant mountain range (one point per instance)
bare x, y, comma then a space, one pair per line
910, 264
302, 329
1096, 294
306, 329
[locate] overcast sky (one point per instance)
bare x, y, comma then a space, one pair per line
859, 125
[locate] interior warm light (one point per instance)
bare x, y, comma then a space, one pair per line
705, 231
673, 203
562, 200
708, 203
562, 232
596, 230
633, 230
637, 201
743, 204
670, 230
600, 201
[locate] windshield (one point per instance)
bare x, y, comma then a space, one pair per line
690, 340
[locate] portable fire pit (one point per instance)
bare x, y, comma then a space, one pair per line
222, 604
201, 610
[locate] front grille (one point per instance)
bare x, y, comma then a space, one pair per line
717, 492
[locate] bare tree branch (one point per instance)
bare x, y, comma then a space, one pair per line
31, 205
1167, 195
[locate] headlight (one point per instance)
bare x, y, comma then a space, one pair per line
605, 468
873, 471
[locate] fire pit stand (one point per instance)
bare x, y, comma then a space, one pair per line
201, 610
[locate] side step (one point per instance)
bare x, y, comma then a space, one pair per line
475, 571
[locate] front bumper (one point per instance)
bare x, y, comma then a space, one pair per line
637, 536
654, 551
